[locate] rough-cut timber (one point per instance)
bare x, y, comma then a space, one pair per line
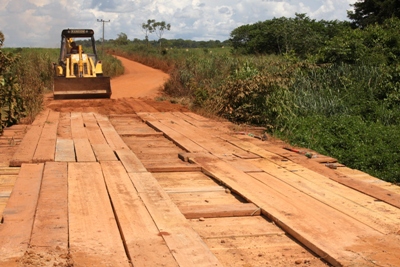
19, 214
177, 189
94, 239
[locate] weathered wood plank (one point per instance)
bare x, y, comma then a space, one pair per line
195, 189
352, 203
65, 150
64, 126
18, 216
50, 229
144, 242
113, 139
179, 180
45, 150
130, 161
185, 244
103, 152
78, 130
93, 131
161, 166
94, 238
302, 216
27, 148
179, 139
9, 170
222, 210
366, 188
83, 150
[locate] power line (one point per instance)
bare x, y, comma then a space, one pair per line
102, 40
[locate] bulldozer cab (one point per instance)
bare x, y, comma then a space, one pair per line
83, 37
79, 73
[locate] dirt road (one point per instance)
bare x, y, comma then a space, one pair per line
139, 83
135, 181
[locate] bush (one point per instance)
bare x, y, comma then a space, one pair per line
368, 146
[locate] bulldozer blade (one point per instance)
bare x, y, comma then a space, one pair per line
81, 88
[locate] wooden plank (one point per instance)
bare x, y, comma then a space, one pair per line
185, 244
93, 131
224, 227
352, 203
140, 134
130, 161
246, 155
94, 238
78, 130
209, 141
18, 216
196, 116
210, 198
27, 148
179, 139
140, 106
9, 170
50, 229
143, 240
64, 126
179, 180
304, 217
83, 150
173, 190
65, 150
139, 129
161, 166
366, 188
103, 152
222, 210
112, 137
45, 150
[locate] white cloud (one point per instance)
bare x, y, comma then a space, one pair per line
38, 23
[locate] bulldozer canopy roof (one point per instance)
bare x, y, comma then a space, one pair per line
71, 33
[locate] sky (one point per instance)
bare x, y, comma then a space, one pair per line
38, 23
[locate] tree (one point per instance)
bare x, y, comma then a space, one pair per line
159, 28
367, 12
122, 39
1, 39
147, 29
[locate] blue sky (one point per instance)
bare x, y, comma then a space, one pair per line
38, 23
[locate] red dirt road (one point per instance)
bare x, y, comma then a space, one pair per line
138, 81
134, 91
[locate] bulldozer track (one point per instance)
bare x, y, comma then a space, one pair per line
179, 189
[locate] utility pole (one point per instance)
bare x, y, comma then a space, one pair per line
102, 40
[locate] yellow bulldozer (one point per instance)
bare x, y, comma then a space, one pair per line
79, 74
